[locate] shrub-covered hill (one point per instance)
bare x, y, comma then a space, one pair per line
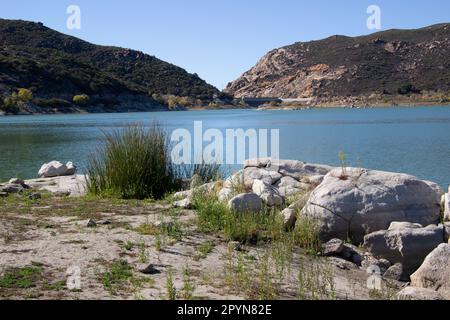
56, 67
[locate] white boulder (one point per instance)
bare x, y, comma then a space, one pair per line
408, 245
434, 273
246, 203
365, 201
57, 169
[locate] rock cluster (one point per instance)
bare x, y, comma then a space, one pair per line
394, 217
55, 178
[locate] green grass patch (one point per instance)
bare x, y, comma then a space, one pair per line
21, 278
117, 277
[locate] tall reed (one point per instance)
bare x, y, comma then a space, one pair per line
133, 163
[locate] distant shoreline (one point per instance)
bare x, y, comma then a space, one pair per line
233, 107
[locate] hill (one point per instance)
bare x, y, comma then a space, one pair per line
389, 66
56, 67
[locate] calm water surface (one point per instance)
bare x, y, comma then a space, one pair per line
410, 140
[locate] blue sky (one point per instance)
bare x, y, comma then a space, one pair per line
221, 39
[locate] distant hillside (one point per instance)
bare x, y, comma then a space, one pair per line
385, 66
56, 67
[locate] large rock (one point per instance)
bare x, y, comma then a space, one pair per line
225, 194
434, 273
366, 201
406, 245
414, 293
246, 203
268, 194
74, 185
292, 168
57, 169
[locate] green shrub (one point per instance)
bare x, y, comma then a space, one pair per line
22, 278
10, 105
81, 99
133, 163
25, 95
213, 216
117, 276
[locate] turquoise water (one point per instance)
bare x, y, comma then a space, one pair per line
410, 140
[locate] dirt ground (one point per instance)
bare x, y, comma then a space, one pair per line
44, 242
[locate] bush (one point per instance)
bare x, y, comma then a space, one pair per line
214, 216
81, 99
10, 105
134, 163
25, 95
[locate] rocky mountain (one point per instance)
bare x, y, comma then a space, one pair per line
56, 67
386, 65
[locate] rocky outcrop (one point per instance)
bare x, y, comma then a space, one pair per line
57, 169
74, 186
274, 180
314, 73
354, 202
404, 243
434, 273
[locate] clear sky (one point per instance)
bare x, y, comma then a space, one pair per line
221, 39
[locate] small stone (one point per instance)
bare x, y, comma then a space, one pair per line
150, 270
3, 194
35, 196
91, 224
333, 247
395, 272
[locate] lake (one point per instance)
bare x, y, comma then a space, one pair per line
410, 140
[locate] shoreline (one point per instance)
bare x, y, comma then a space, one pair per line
261, 108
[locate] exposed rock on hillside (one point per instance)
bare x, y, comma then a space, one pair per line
385, 64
